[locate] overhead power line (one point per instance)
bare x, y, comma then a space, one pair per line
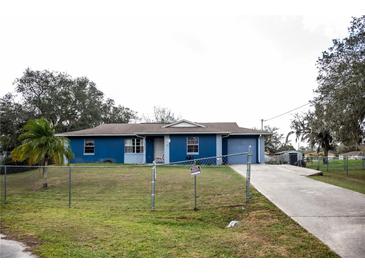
282, 114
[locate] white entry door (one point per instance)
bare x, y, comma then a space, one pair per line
159, 150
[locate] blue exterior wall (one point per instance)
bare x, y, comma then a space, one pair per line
240, 144
106, 149
149, 149
112, 148
224, 146
178, 148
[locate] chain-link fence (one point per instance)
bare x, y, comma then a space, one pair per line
130, 187
345, 164
200, 183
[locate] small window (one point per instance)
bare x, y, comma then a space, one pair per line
134, 145
193, 145
89, 147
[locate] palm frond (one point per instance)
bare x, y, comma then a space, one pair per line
39, 144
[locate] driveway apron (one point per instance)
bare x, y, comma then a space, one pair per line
333, 214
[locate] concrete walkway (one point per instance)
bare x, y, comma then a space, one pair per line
334, 215
13, 249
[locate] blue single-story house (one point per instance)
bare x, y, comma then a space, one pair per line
166, 143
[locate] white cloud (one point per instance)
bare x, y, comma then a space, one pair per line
206, 68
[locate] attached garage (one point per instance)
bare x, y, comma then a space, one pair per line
241, 144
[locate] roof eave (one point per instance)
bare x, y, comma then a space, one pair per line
251, 133
94, 134
182, 132
160, 133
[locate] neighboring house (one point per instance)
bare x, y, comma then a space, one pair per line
291, 157
352, 155
314, 155
167, 143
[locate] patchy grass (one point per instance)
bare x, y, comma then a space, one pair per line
110, 216
336, 174
355, 181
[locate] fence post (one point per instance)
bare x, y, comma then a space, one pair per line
327, 163
347, 165
69, 186
248, 174
194, 181
317, 162
153, 192
195, 207
5, 184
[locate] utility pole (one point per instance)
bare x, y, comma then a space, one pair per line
262, 124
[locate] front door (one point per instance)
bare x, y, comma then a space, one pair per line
159, 150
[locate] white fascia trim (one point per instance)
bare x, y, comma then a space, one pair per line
183, 121
218, 144
166, 148
186, 132
259, 149
250, 134
144, 150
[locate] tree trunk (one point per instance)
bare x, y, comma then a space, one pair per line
45, 173
325, 157
325, 151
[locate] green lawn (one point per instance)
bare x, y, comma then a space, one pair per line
336, 174
110, 216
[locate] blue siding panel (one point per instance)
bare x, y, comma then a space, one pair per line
240, 144
178, 148
106, 149
149, 149
224, 146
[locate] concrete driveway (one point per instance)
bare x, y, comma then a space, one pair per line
335, 215
13, 249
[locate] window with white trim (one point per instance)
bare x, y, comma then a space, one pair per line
133, 145
192, 145
89, 147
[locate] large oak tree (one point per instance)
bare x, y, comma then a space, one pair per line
340, 95
68, 103
339, 103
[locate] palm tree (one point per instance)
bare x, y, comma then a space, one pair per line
40, 145
312, 128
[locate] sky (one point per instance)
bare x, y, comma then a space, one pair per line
206, 61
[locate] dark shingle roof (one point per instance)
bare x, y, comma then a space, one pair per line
159, 128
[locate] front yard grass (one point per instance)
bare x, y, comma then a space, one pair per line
336, 174
110, 216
